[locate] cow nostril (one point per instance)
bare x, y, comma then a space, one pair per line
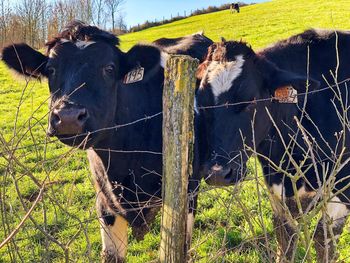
68, 120
55, 118
229, 174
82, 115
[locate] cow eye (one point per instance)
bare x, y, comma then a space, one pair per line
50, 70
109, 69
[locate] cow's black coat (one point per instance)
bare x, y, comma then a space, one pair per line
226, 137
126, 159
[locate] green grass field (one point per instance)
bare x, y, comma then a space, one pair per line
233, 224
259, 25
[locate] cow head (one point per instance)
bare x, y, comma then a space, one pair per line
83, 66
236, 89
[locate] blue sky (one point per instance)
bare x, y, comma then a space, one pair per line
138, 11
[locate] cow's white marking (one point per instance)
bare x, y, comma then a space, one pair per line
115, 238
79, 44
163, 59
302, 193
337, 211
221, 75
277, 198
83, 44
279, 191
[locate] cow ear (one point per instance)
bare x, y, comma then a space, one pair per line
285, 86
201, 70
24, 60
147, 57
282, 78
285, 83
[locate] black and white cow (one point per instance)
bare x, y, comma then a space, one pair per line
234, 7
237, 115
103, 100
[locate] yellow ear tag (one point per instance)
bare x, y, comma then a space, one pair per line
286, 94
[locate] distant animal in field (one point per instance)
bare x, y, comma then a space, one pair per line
234, 7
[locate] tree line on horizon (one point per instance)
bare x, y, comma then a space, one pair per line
37, 21
209, 9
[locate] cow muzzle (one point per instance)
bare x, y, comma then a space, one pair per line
68, 119
222, 176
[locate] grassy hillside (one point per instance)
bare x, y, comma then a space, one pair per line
233, 224
259, 24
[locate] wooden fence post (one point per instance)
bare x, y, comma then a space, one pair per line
178, 137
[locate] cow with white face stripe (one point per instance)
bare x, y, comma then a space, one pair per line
110, 103
256, 103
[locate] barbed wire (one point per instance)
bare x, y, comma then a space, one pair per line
311, 92
137, 206
146, 118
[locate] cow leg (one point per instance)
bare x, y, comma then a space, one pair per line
286, 238
328, 230
285, 230
189, 230
192, 206
114, 234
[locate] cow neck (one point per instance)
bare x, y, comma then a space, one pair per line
136, 102
283, 117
